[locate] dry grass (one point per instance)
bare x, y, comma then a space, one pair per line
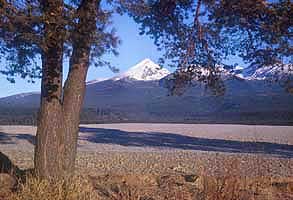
36, 189
157, 187
230, 185
225, 183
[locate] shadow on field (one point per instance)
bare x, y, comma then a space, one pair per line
9, 138
176, 141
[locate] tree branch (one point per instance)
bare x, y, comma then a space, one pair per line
14, 20
196, 25
82, 37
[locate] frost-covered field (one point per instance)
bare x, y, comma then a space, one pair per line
139, 136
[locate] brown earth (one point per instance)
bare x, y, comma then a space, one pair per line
173, 159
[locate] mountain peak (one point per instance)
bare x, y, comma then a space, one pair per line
95, 81
145, 70
273, 71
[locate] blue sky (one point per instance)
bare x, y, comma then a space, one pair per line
133, 49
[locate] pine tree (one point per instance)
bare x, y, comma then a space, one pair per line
192, 33
52, 30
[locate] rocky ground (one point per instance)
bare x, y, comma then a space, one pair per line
178, 154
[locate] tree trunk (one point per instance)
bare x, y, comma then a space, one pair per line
74, 91
50, 135
74, 88
58, 125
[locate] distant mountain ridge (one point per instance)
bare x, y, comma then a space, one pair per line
147, 70
269, 72
136, 96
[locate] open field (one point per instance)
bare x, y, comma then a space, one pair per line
170, 143
140, 153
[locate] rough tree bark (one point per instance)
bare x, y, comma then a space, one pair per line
74, 88
50, 140
58, 126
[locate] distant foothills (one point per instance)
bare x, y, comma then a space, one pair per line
138, 95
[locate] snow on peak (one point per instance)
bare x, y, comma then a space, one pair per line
224, 73
21, 95
146, 70
275, 71
96, 81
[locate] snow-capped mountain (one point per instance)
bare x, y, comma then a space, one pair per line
96, 81
268, 72
236, 72
201, 72
136, 96
146, 70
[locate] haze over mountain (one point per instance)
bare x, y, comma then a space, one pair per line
137, 96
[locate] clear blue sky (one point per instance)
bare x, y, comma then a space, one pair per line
133, 49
